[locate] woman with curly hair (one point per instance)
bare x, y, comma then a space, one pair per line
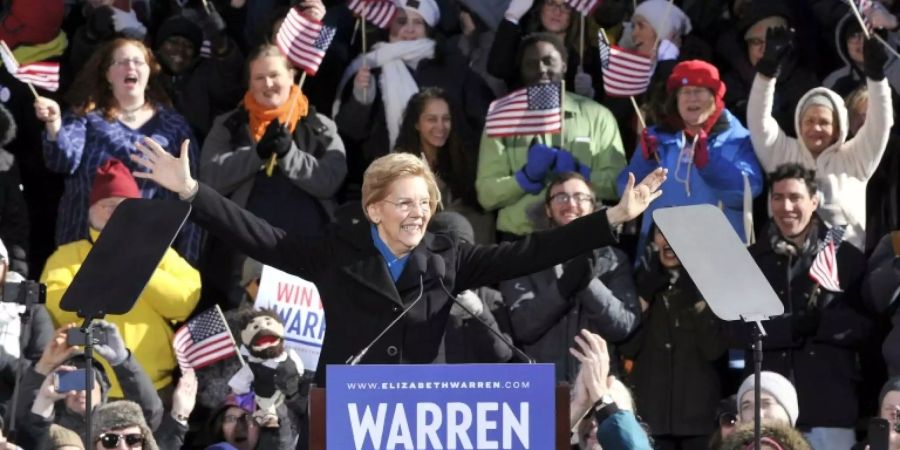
427, 131
116, 100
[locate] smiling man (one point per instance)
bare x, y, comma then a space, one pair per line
816, 341
513, 172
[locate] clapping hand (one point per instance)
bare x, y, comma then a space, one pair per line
185, 397
636, 198
593, 379
166, 170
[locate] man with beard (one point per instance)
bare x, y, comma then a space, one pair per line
201, 86
272, 372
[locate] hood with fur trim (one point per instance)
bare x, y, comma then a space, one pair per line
840, 113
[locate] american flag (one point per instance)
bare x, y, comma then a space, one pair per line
532, 110
304, 41
824, 269
625, 73
204, 340
379, 12
863, 6
585, 7
43, 74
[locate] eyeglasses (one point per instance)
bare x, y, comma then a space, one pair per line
405, 206
563, 198
125, 62
246, 418
727, 419
111, 440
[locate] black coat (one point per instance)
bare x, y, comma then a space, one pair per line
675, 380
814, 346
358, 294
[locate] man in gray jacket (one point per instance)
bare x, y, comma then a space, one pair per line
593, 291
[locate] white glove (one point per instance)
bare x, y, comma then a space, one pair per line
517, 9
471, 301
666, 51
127, 20
584, 84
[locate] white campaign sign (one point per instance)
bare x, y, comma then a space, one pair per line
298, 304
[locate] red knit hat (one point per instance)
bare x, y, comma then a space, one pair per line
113, 179
696, 73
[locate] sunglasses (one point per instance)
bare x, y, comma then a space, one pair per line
132, 440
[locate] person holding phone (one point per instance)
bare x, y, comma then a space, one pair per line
49, 394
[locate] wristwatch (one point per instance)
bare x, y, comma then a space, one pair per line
604, 408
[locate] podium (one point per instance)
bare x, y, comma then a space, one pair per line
381, 393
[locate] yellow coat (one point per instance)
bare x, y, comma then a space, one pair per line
170, 296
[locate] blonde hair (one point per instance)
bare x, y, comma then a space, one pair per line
858, 95
389, 168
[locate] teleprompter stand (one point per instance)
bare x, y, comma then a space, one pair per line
723, 270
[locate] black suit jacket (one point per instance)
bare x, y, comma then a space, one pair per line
358, 294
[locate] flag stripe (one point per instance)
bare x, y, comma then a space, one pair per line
203, 340
532, 110
625, 73
304, 41
379, 12
585, 7
824, 268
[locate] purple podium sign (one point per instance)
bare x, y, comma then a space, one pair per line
458, 406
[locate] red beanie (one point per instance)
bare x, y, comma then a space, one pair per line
113, 179
696, 73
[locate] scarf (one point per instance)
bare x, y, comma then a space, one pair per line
396, 83
289, 113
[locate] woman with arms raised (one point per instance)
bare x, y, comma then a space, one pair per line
369, 273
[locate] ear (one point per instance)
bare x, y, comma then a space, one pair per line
374, 213
815, 201
548, 211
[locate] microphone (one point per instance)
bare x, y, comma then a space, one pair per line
420, 259
441, 269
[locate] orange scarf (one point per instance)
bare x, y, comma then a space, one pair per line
290, 112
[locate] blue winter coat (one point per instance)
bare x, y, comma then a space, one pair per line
721, 180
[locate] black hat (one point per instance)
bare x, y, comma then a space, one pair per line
183, 27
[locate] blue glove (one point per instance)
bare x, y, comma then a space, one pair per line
540, 159
566, 162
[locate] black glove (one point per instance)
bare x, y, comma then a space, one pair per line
213, 29
651, 277
577, 274
779, 42
874, 58
276, 140
287, 379
806, 323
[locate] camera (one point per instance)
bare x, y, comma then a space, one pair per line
24, 292
74, 336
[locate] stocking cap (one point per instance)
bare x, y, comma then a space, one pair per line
113, 179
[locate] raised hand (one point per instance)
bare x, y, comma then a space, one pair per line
636, 198
185, 396
166, 170
517, 9
779, 42
56, 352
593, 355
47, 111
114, 351
875, 56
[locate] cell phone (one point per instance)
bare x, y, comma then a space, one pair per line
74, 336
70, 381
879, 434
